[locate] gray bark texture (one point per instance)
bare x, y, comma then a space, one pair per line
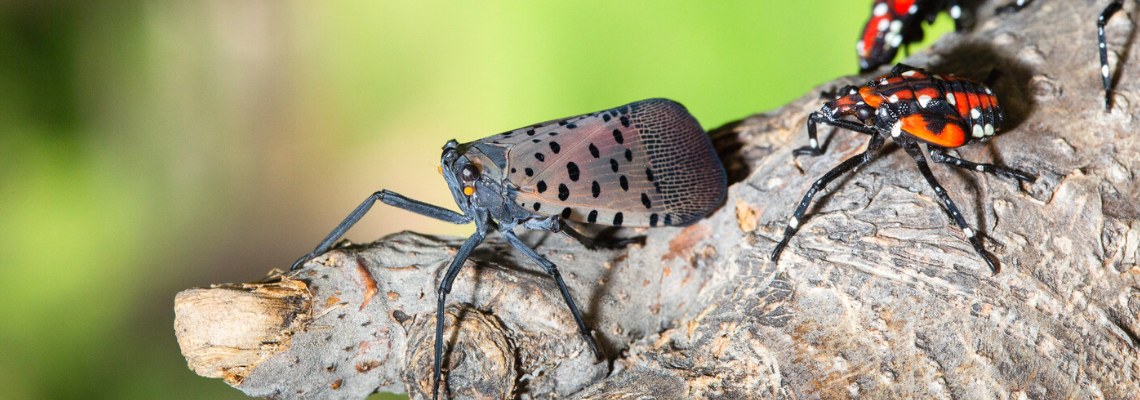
877, 296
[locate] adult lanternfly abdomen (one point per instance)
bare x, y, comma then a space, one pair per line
644, 164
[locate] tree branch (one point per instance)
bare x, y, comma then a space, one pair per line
878, 295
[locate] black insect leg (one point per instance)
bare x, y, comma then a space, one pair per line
444, 289
390, 198
813, 148
551, 269
940, 156
1013, 7
847, 165
1103, 19
916, 153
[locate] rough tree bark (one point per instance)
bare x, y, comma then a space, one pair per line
877, 296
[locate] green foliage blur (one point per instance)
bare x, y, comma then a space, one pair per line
150, 147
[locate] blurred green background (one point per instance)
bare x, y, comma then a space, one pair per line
150, 147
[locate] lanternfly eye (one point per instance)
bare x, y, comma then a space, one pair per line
864, 113
469, 173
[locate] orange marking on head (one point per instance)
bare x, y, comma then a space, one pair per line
951, 135
469, 190
441, 170
872, 97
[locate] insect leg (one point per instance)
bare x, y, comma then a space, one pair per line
1013, 7
1103, 19
553, 271
444, 289
940, 156
390, 198
813, 148
847, 165
916, 153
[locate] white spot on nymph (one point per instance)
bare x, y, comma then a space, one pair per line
955, 12
859, 49
913, 9
884, 24
950, 99
894, 98
880, 9
989, 130
793, 223
1021, 2
814, 144
896, 40
860, 103
896, 129
978, 132
980, 168
923, 100
883, 81
908, 73
1102, 45
896, 26
975, 114
1104, 70
969, 232
989, 92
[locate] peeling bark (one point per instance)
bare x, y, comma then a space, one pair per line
878, 295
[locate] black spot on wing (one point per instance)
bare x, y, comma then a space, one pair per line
563, 192
594, 151
541, 186
572, 170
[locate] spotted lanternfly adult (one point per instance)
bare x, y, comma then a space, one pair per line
644, 164
1105, 15
915, 109
895, 23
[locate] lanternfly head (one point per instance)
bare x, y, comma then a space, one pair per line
850, 102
